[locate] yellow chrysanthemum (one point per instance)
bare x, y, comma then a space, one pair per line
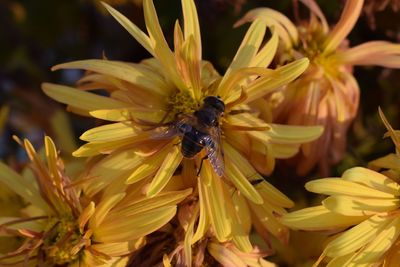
326, 93
173, 83
60, 226
365, 200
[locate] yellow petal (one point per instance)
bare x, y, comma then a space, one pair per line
281, 76
139, 35
131, 206
286, 30
288, 134
266, 54
390, 161
249, 46
187, 243
319, 218
224, 256
273, 195
337, 186
242, 183
133, 227
103, 209
52, 158
372, 253
161, 49
167, 169
114, 166
355, 238
85, 215
111, 132
267, 218
204, 219
191, 25
372, 179
126, 114
93, 149
348, 19
358, 206
212, 192
133, 73
80, 99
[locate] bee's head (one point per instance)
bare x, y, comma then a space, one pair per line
215, 102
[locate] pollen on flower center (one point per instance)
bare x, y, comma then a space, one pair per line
61, 235
182, 103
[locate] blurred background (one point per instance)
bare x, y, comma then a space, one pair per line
35, 35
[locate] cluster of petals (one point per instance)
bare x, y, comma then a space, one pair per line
327, 93
366, 203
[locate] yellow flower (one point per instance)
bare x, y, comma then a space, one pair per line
365, 200
173, 84
170, 85
60, 226
326, 93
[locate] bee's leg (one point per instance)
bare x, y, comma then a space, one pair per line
177, 144
201, 164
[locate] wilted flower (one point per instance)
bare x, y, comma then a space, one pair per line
326, 93
60, 226
365, 200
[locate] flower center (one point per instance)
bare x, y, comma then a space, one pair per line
182, 102
62, 234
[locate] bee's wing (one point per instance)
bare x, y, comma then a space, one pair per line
214, 150
176, 128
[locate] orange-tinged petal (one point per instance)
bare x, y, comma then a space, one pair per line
286, 30
83, 100
350, 14
224, 256
379, 53
121, 248
86, 214
167, 169
319, 218
138, 34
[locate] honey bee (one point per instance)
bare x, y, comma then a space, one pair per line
200, 130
